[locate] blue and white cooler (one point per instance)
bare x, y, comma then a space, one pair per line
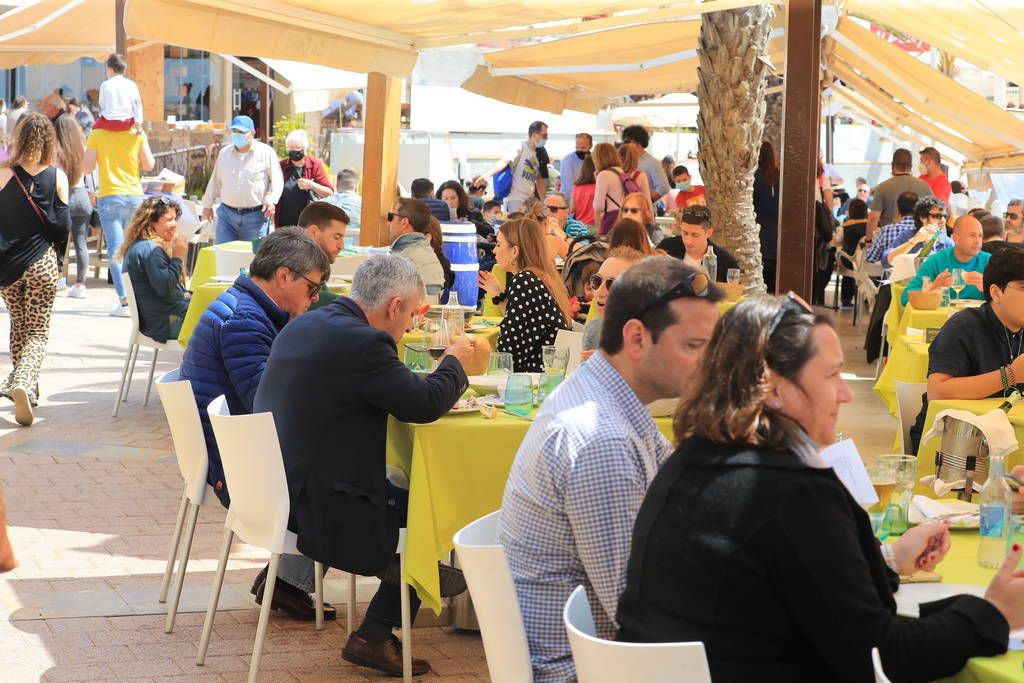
459, 247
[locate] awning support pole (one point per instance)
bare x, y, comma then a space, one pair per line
382, 128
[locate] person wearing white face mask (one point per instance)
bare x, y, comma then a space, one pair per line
526, 179
247, 179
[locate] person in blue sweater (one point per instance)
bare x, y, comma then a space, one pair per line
227, 354
965, 254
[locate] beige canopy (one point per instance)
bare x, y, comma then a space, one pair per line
56, 32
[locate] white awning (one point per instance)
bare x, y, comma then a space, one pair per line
313, 86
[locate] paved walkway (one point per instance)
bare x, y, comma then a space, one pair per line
92, 500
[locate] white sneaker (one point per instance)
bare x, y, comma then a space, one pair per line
121, 311
77, 291
62, 284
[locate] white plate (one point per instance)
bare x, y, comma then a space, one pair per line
476, 327
225, 279
495, 383
910, 596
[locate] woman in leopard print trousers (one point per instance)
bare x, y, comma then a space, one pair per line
33, 202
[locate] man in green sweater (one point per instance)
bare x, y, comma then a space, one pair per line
966, 254
325, 224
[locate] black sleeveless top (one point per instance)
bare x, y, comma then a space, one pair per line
23, 236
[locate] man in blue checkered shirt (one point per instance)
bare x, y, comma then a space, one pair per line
910, 229
582, 471
887, 239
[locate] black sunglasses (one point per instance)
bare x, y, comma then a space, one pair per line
314, 287
938, 215
792, 303
553, 209
392, 216
1011, 216
695, 214
692, 285
596, 279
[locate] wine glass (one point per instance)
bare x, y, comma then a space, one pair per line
959, 282
882, 473
439, 340
732, 276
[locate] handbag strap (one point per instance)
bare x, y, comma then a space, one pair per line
32, 202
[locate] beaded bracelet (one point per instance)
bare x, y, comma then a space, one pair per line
1012, 375
1002, 376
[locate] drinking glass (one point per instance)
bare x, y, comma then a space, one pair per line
555, 357
519, 394
438, 340
959, 282
499, 363
905, 472
882, 473
416, 357
732, 276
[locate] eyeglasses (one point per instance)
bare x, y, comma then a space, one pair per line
695, 214
1011, 216
392, 216
555, 209
792, 303
314, 287
596, 279
631, 209
692, 285
938, 215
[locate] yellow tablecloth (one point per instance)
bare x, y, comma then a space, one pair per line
457, 469
926, 452
206, 263
908, 362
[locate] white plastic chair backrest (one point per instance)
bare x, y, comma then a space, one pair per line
133, 307
254, 472
845, 264
568, 339
186, 432
908, 405
230, 262
609, 661
346, 265
494, 598
876, 660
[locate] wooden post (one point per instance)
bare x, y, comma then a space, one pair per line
800, 132
120, 35
383, 111
146, 68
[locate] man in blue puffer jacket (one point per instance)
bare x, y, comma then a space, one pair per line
228, 352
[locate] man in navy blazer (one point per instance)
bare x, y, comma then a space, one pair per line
332, 380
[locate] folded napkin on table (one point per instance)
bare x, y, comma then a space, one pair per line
929, 508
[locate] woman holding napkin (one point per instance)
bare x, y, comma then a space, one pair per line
748, 542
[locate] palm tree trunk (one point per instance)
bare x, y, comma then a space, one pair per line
731, 122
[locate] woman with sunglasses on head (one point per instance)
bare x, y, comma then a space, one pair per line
536, 303
748, 542
152, 255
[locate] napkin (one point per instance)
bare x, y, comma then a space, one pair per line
931, 508
903, 267
994, 424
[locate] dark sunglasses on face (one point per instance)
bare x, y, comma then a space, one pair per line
938, 215
314, 287
596, 279
692, 285
555, 209
392, 216
791, 303
1011, 216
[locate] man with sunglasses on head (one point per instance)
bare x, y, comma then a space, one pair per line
407, 230
694, 241
585, 464
227, 354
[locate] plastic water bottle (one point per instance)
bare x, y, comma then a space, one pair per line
454, 316
995, 515
710, 264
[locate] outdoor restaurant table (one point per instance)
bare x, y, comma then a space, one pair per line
206, 262
457, 469
926, 451
908, 362
961, 566
490, 333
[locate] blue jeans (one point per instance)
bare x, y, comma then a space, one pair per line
296, 570
235, 225
115, 212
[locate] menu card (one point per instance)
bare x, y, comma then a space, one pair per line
849, 467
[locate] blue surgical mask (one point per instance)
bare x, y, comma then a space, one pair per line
239, 139
541, 143
684, 187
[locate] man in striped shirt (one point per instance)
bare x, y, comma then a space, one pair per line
584, 467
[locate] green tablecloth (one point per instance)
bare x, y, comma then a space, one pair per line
908, 362
489, 333
206, 263
457, 469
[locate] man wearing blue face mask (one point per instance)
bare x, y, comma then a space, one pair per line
248, 182
526, 178
570, 166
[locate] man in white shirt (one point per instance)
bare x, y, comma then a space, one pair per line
19, 107
248, 182
120, 101
526, 179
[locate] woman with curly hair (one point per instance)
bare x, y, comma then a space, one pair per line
33, 232
152, 255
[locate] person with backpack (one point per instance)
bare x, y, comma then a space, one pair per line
617, 176
517, 178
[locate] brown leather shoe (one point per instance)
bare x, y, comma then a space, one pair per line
290, 600
384, 656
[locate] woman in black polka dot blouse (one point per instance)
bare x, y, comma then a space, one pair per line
535, 304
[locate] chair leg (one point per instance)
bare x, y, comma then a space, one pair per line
124, 375
131, 372
261, 628
149, 383
351, 610
173, 552
179, 582
211, 608
318, 581
406, 623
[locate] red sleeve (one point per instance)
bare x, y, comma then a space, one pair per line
319, 175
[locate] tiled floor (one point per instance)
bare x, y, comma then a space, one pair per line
91, 502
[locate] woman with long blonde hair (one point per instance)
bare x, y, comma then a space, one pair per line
152, 254
617, 176
536, 303
69, 157
33, 238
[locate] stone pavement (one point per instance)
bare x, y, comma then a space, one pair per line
91, 502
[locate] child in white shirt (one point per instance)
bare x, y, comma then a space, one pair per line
120, 102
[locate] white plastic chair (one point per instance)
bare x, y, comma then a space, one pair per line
190, 452
567, 339
494, 599
609, 661
230, 262
908, 405
136, 340
259, 510
876, 660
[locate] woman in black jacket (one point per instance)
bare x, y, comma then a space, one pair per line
748, 542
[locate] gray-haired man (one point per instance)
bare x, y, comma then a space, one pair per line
332, 380
1014, 218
